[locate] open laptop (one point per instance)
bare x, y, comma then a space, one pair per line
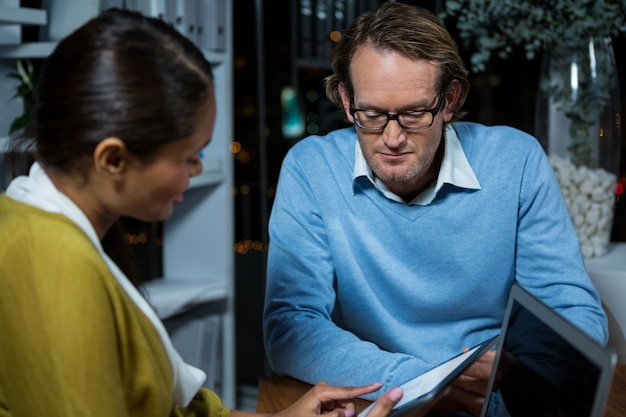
545, 366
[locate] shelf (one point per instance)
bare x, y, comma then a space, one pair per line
27, 50
214, 57
22, 15
170, 296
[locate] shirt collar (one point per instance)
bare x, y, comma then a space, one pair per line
455, 169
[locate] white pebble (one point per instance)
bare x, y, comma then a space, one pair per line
589, 196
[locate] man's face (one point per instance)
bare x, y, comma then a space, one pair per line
385, 81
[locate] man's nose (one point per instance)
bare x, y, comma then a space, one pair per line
393, 134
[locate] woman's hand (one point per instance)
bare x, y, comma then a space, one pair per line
385, 403
339, 401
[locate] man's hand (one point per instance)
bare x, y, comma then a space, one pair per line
468, 390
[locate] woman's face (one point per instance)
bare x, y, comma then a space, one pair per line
154, 188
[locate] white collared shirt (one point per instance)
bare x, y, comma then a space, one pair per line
454, 169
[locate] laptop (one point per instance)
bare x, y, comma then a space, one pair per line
545, 366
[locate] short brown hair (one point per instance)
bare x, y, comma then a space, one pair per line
410, 30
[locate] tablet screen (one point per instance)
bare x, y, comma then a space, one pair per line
420, 390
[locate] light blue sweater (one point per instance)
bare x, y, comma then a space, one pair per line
363, 289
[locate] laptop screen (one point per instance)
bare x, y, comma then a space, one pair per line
545, 366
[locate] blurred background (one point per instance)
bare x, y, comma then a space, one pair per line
281, 56
271, 63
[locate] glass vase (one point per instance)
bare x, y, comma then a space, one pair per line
578, 122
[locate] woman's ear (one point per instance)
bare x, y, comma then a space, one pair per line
345, 101
110, 156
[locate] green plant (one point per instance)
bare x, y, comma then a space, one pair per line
566, 28
26, 90
583, 103
496, 26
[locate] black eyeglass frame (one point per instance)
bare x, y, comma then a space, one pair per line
396, 116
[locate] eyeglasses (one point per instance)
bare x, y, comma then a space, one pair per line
409, 120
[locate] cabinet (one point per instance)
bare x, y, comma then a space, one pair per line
195, 296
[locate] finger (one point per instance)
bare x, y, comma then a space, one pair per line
487, 357
338, 404
481, 369
385, 403
473, 385
327, 393
478, 371
472, 402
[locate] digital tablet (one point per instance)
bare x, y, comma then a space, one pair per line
419, 391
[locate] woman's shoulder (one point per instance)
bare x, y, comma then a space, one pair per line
50, 241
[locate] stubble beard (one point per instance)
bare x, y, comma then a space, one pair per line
410, 172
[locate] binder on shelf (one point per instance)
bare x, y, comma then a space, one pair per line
305, 20
351, 11
119, 4
317, 19
191, 20
12, 16
339, 21
211, 15
175, 11
184, 18
10, 34
323, 11
153, 8
66, 16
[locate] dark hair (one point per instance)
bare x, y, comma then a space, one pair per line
120, 75
410, 30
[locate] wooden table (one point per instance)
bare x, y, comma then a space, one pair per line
278, 392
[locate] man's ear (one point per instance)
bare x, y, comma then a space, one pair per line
345, 101
452, 94
110, 156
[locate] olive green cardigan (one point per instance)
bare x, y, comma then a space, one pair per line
72, 342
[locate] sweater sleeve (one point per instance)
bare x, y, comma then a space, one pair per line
301, 338
549, 261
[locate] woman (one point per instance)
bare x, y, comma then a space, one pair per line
124, 106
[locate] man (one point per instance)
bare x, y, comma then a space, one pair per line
394, 243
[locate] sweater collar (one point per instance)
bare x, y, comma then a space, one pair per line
455, 170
